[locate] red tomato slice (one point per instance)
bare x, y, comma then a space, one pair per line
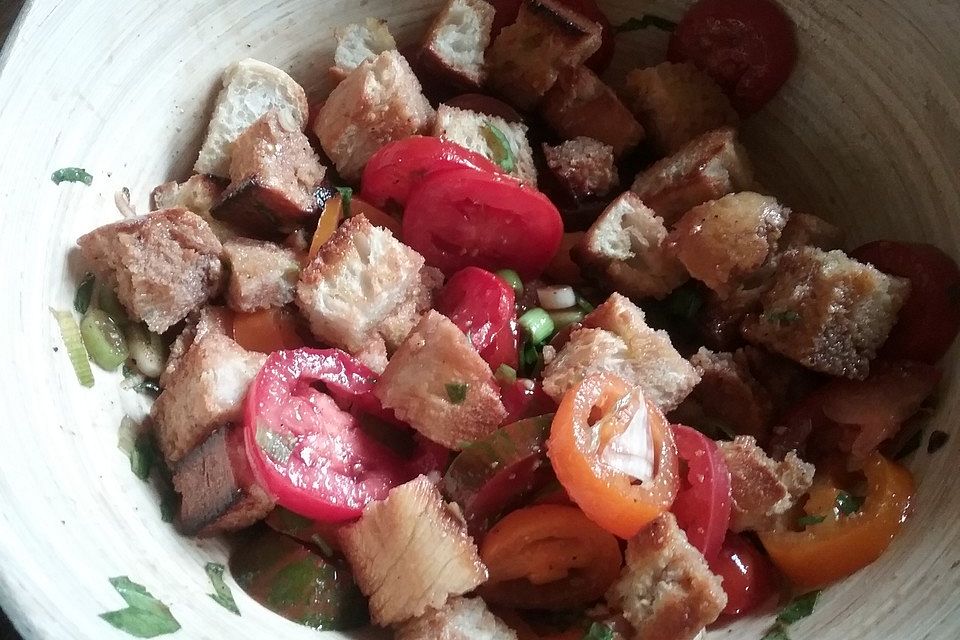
461, 218
748, 46
525, 399
308, 451
749, 578
398, 167
483, 306
702, 505
930, 318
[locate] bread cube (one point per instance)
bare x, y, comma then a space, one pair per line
666, 590
378, 102
581, 104
409, 554
583, 166
527, 56
827, 311
262, 274
729, 392
250, 89
505, 143
360, 278
199, 193
374, 355
397, 326
707, 168
675, 103
210, 319
625, 250
453, 50
807, 230
439, 384
205, 392
359, 43
459, 619
725, 241
163, 265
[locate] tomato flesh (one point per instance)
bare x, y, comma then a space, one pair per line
461, 218
749, 578
748, 46
525, 398
929, 320
398, 167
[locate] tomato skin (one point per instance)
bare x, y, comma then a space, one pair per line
461, 218
929, 320
703, 503
398, 167
749, 578
525, 398
748, 46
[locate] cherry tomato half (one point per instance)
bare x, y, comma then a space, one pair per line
930, 319
702, 505
461, 218
749, 578
748, 46
398, 167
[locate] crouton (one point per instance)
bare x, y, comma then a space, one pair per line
459, 619
675, 103
374, 355
762, 489
361, 277
274, 179
217, 488
250, 89
378, 102
624, 249
666, 590
580, 104
210, 319
505, 143
410, 553
729, 392
827, 311
359, 43
262, 274
163, 265
204, 393
807, 230
527, 56
706, 168
198, 194
455, 43
439, 384
584, 166
616, 339
396, 327
723, 242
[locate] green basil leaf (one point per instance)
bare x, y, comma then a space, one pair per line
221, 592
778, 632
72, 174
806, 521
499, 146
145, 616
456, 392
848, 504
598, 631
799, 609
143, 456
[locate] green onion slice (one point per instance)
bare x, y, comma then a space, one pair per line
538, 325
103, 339
72, 340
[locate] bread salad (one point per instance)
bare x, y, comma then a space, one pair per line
487, 344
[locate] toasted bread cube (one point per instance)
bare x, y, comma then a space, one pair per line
675, 103
625, 250
205, 392
729, 392
707, 168
581, 104
163, 265
250, 89
359, 43
584, 166
409, 553
439, 384
762, 489
505, 143
396, 327
360, 278
210, 319
616, 339
199, 193
274, 178
527, 56
378, 102
827, 311
456, 41
459, 619
262, 274
723, 242
217, 487
807, 230
666, 591
374, 355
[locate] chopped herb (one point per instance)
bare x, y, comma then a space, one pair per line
70, 334
278, 447
505, 373
806, 521
72, 174
645, 21
148, 387
937, 440
81, 300
346, 197
531, 360
143, 456
799, 609
499, 147
848, 504
456, 392
778, 632
782, 317
598, 631
145, 616
684, 303
221, 592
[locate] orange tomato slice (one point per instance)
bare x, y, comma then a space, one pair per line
267, 330
326, 226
